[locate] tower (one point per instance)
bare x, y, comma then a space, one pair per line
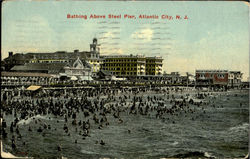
95, 49
94, 58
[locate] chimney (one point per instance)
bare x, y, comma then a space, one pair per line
10, 53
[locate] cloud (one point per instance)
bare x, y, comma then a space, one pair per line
109, 35
117, 51
144, 34
228, 51
34, 34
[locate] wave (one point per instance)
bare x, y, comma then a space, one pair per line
24, 121
87, 152
208, 155
242, 126
28, 120
174, 143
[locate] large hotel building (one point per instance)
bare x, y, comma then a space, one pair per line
132, 65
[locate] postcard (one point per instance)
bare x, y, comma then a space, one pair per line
125, 79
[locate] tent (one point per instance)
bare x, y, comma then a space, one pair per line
73, 78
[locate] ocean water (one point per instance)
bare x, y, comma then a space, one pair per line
219, 129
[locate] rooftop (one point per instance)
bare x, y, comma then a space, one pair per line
24, 74
123, 56
211, 71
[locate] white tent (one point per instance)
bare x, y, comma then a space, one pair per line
73, 78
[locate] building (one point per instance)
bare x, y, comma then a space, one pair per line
50, 68
132, 65
211, 77
104, 75
154, 65
26, 78
176, 79
54, 63
16, 60
78, 70
234, 79
51, 62
122, 65
94, 58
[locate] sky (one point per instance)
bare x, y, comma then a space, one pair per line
215, 35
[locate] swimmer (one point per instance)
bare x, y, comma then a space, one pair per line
102, 142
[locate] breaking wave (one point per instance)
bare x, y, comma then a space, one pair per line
28, 120
175, 143
244, 126
87, 152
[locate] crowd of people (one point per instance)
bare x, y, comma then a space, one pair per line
87, 108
